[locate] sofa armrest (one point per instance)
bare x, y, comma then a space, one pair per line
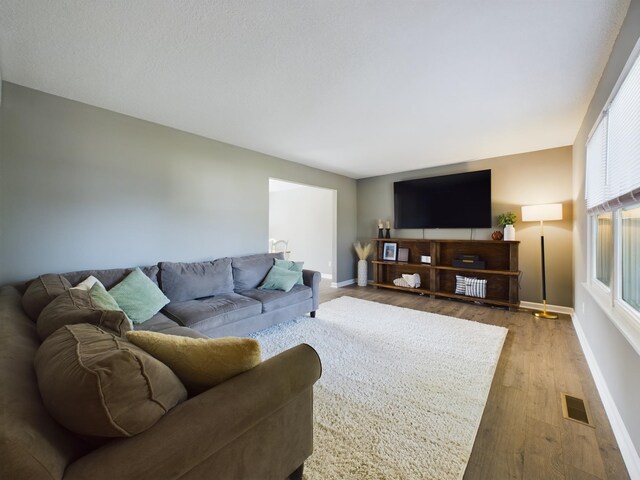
311, 278
203, 425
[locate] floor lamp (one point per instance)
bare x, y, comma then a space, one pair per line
542, 213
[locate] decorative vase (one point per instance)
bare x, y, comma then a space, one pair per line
387, 233
380, 233
362, 273
509, 232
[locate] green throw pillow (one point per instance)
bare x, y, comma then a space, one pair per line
293, 266
138, 296
279, 279
103, 299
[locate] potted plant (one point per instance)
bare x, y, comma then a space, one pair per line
363, 252
507, 220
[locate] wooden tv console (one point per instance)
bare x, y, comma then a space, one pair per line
438, 279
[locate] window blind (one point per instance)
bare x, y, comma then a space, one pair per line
613, 151
623, 150
596, 174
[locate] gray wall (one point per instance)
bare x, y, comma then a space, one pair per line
616, 358
305, 217
82, 187
516, 180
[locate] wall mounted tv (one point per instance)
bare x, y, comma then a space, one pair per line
451, 201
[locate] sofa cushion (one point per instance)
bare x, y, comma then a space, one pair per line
214, 311
111, 277
250, 270
275, 299
200, 363
186, 281
41, 291
121, 389
279, 279
162, 324
138, 296
76, 306
291, 265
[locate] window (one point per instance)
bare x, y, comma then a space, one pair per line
604, 248
613, 200
630, 232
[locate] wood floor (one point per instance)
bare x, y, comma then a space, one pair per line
523, 434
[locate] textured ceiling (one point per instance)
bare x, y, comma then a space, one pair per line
361, 88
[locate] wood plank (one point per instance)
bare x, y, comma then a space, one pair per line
581, 449
502, 435
543, 452
573, 473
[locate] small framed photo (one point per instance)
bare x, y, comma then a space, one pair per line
403, 254
390, 251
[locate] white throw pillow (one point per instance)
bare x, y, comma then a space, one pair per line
87, 283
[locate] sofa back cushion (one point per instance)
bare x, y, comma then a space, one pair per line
188, 281
249, 271
96, 383
32, 444
41, 291
111, 277
76, 306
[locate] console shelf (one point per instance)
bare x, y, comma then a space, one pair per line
438, 279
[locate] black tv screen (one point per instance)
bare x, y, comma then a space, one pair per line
451, 201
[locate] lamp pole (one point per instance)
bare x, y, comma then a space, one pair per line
544, 313
540, 213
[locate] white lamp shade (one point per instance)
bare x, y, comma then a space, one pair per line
542, 213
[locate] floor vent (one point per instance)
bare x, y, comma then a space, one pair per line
576, 409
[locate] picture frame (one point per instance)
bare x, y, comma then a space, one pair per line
403, 254
390, 251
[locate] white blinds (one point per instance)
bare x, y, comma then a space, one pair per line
597, 165
624, 136
613, 151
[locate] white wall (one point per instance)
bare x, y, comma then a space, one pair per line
305, 216
612, 355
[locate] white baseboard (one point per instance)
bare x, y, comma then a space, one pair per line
627, 449
550, 308
344, 283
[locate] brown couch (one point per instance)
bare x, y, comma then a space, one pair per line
257, 425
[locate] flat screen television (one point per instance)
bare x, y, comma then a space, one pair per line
461, 200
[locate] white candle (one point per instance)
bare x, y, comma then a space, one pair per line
388, 224
380, 223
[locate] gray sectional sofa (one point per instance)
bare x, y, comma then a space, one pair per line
221, 298
258, 424
218, 298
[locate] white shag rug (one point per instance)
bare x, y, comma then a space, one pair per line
402, 391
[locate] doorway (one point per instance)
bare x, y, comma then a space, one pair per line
302, 223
